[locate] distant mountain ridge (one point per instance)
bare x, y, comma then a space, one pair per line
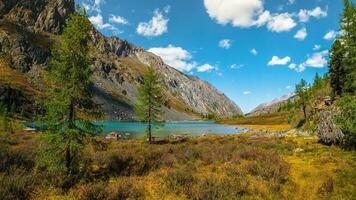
271, 106
28, 29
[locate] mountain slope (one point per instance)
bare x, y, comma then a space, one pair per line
272, 106
28, 29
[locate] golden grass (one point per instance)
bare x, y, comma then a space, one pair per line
311, 165
314, 165
281, 127
266, 119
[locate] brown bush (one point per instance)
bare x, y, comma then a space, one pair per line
327, 186
181, 181
18, 185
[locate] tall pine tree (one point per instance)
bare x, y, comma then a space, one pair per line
343, 53
301, 89
337, 69
69, 77
150, 101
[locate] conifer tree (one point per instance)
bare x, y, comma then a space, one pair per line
337, 69
150, 101
69, 76
301, 89
343, 54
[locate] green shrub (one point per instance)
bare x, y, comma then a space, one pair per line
346, 119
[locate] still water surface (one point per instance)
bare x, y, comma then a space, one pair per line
137, 129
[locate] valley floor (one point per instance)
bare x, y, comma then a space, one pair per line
247, 166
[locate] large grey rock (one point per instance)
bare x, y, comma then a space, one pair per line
328, 132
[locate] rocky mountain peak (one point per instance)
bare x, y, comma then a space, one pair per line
29, 28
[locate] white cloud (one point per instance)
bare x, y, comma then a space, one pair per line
298, 68
317, 60
263, 18
220, 74
155, 27
317, 12
247, 92
86, 6
254, 52
288, 87
236, 66
316, 47
291, 2
279, 61
301, 34
247, 13
331, 35
206, 68
292, 66
225, 43
99, 23
281, 23
93, 5
240, 13
167, 9
118, 20
176, 57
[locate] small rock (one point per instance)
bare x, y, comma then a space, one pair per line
297, 150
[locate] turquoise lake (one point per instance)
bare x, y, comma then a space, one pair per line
137, 129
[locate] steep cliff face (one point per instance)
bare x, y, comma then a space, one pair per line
28, 29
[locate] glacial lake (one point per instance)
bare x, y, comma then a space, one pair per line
138, 129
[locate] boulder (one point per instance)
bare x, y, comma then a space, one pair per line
328, 131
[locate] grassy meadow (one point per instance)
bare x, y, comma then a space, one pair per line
244, 166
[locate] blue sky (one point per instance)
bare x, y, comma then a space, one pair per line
252, 50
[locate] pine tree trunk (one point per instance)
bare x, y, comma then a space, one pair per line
68, 159
71, 125
71, 114
149, 125
149, 132
304, 112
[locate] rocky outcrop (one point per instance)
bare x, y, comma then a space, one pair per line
39, 15
328, 132
28, 29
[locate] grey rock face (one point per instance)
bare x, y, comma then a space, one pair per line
119, 65
18, 46
194, 92
328, 132
39, 15
54, 16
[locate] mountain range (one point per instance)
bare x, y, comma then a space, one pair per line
272, 106
28, 31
